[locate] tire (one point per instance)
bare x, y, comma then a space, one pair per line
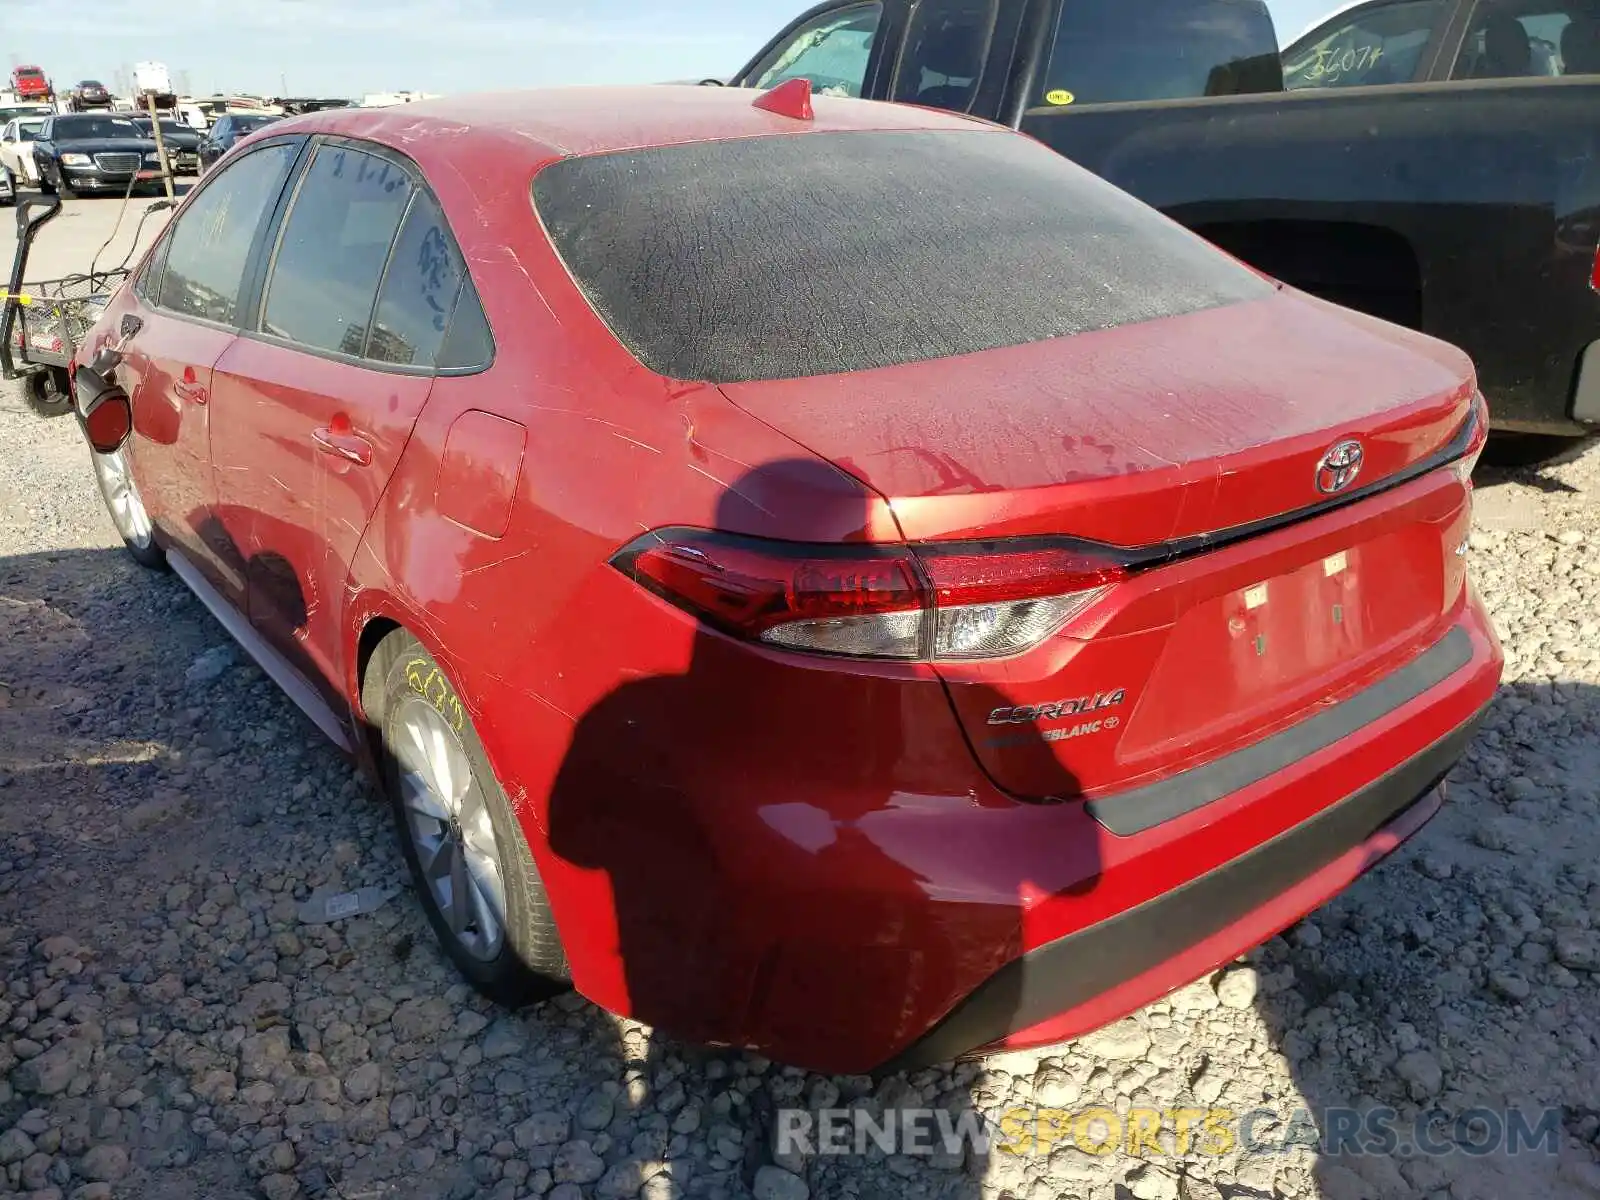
127, 511
11, 184
404, 689
44, 393
45, 186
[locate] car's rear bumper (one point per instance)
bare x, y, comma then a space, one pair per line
827, 878
1081, 981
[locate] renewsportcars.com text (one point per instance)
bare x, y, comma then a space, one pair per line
1170, 1132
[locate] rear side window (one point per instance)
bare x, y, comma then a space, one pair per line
946, 48
211, 239
419, 289
469, 345
1522, 40
332, 250
1376, 45
873, 248
1107, 51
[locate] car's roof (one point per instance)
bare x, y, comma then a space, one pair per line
594, 120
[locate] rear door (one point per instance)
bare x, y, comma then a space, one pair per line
316, 401
188, 303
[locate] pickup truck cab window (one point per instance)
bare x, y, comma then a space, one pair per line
945, 50
1372, 45
1106, 51
831, 50
1530, 41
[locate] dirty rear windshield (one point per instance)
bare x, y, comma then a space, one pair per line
785, 257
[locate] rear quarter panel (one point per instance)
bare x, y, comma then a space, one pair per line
533, 627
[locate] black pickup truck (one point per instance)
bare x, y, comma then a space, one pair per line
1433, 162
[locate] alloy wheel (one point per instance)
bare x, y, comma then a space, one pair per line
122, 497
450, 827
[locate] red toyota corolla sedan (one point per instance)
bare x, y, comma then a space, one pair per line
844, 582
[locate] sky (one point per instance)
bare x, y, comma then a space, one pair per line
353, 47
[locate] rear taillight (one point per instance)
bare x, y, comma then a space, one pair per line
932, 602
1477, 437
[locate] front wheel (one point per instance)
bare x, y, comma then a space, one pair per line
466, 849
114, 473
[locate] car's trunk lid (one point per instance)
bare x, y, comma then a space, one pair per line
1146, 432
1164, 438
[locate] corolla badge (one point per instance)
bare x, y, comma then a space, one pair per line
1339, 467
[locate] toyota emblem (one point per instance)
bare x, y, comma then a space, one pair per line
1339, 467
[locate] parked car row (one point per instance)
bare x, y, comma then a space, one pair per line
102, 152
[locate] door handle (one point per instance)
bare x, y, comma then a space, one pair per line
342, 443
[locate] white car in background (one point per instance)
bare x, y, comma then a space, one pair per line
16, 152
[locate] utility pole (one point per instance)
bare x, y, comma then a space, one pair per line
161, 144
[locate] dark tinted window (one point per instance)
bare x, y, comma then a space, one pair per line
211, 240
766, 258
67, 128
1531, 40
1115, 50
469, 343
1371, 46
244, 125
944, 54
332, 249
419, 289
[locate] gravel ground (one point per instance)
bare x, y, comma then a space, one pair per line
170, 1028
